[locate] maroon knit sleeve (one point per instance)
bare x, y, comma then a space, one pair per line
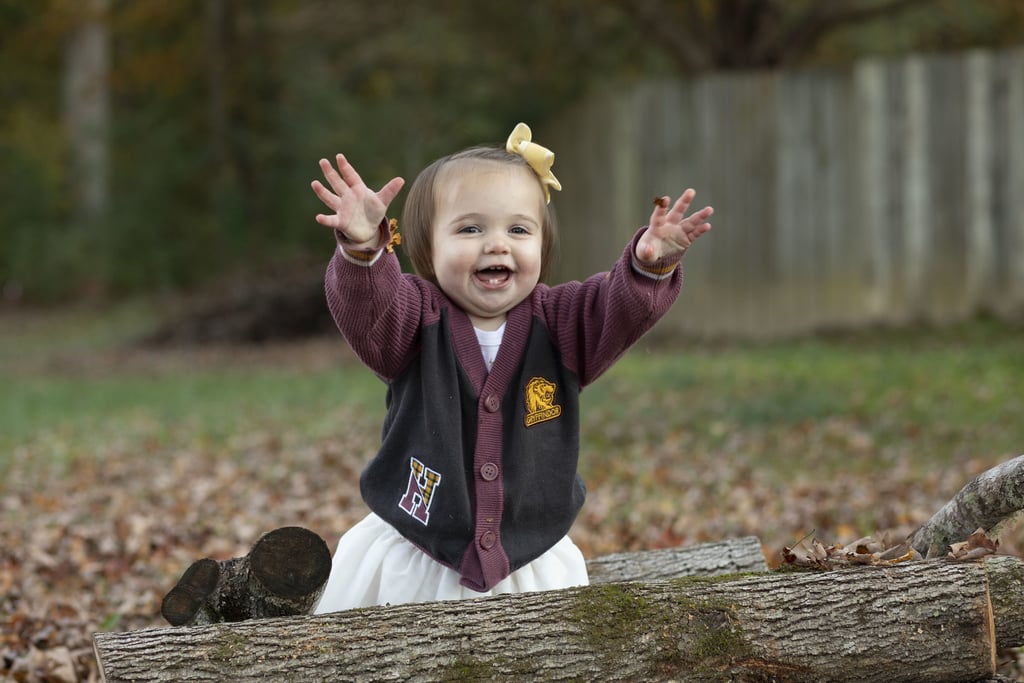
595, 321
379, 310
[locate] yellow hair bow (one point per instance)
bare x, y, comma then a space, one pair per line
539, 158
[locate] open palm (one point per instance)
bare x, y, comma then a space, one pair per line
358, 210
670, 231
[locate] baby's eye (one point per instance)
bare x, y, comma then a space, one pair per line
519, 230
470, 228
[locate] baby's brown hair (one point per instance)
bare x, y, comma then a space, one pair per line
421, 206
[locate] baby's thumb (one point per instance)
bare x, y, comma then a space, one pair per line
646, 251
391, 190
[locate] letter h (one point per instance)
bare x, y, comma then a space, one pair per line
420, 491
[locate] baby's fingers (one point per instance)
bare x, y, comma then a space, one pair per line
696, 225
390, 190
343, 181
660, 213
682, 204
331, 176
348, 171
332, 202
326, 196
698, 217
331, 221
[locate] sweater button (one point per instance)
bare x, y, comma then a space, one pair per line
487, 540
489, 471
492, 403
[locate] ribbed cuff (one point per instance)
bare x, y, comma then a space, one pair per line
360, 258
364, 257
655, 271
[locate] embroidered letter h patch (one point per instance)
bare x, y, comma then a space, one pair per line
420, 492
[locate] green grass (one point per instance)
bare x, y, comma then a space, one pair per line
30, 336
931, 394
211, 405
77, 383
936, 394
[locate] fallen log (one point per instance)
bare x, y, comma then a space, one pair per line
732, 556
986, 502
919, 621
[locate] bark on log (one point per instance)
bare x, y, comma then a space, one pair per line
1006, 590
919, 621
734, 556
990, 498
283, 575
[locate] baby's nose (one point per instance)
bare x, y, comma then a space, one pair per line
496, 245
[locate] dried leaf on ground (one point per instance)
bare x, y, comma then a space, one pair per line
878, 551
976, 546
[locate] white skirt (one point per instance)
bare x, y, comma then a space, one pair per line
375, 565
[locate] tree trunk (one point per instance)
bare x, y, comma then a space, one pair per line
919, 621
87, 111
990, 498
283, 575
216, 68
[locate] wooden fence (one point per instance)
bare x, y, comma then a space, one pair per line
886, 192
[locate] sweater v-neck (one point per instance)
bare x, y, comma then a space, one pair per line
467, 348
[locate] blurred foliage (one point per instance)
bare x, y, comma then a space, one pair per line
221, 108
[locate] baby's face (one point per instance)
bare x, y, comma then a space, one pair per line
487, 238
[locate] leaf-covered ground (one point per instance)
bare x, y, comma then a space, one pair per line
103, 509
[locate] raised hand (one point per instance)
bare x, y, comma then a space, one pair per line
358, 210
671, 231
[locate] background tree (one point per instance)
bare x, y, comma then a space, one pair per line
218, 109
87, 111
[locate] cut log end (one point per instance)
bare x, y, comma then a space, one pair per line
192, 591
273, 562
284, 574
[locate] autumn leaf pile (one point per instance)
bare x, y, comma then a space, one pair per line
880, 551
93, 542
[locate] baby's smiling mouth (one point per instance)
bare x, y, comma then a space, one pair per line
493, 276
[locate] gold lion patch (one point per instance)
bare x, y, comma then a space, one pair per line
540, 399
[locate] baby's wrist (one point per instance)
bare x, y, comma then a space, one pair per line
356, 245
650, 257
364, 240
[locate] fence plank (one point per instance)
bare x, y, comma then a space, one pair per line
1013, 217
887, 191
980, 178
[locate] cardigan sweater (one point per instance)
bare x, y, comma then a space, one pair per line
478, 469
